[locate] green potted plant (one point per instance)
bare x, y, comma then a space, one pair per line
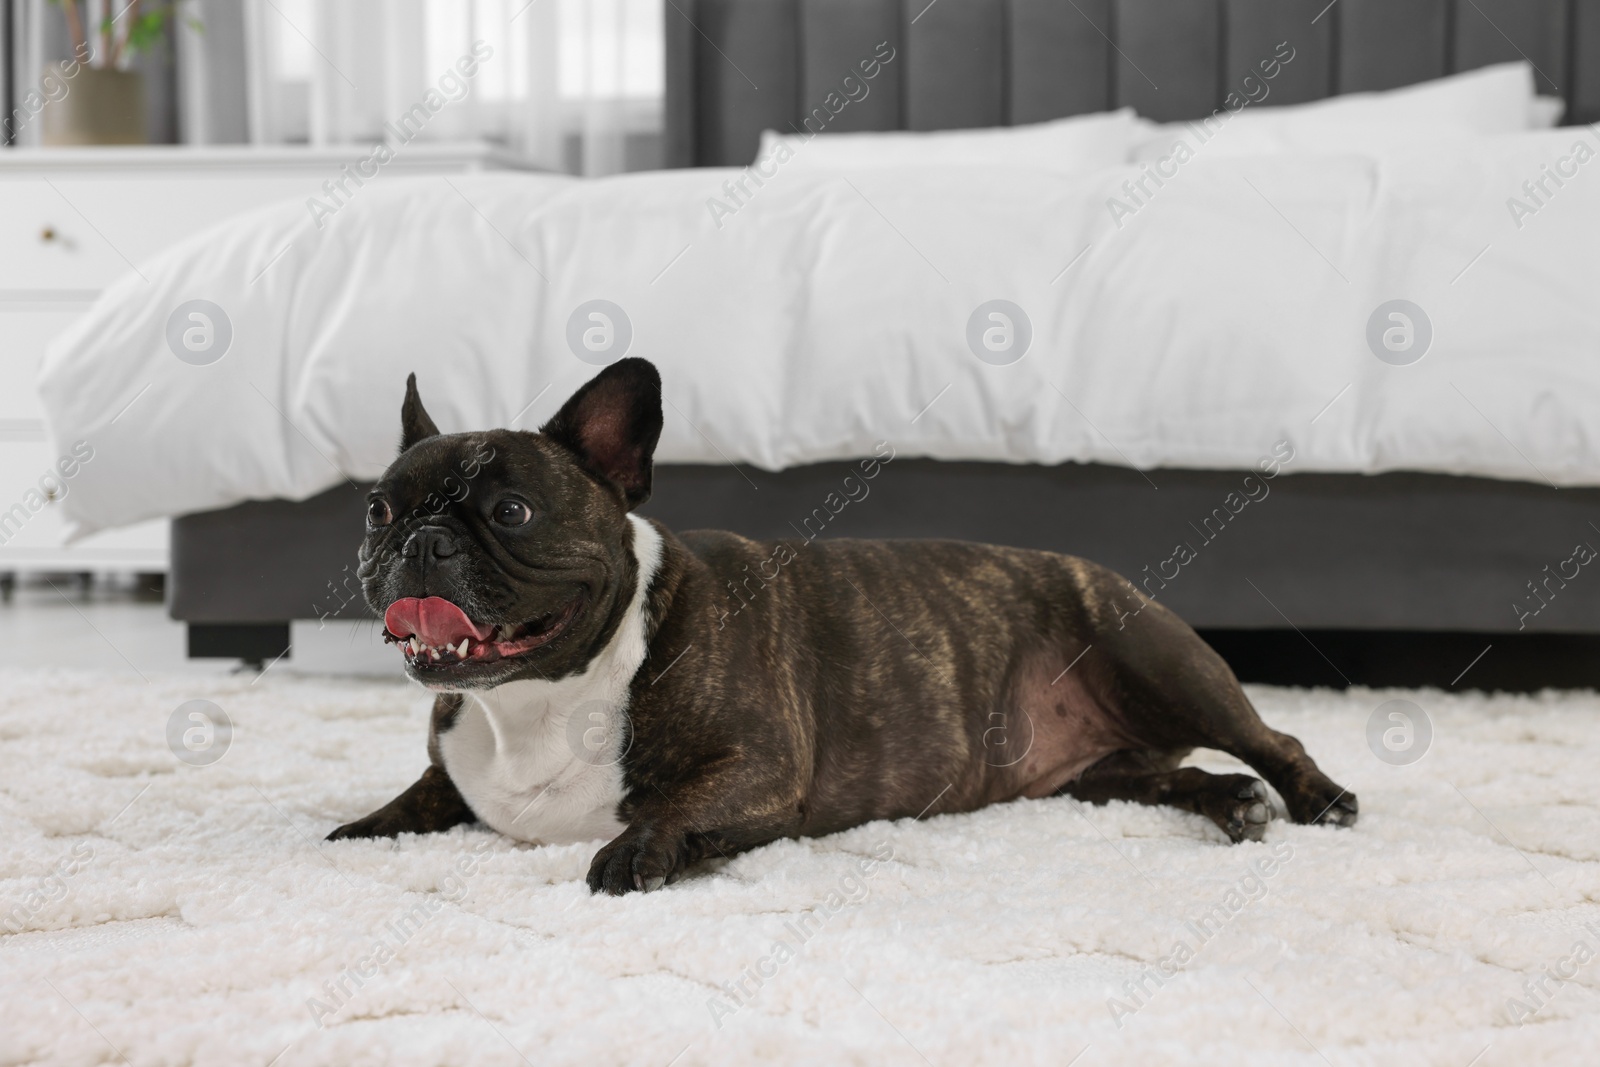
104, 101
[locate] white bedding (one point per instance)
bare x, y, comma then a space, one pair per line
829, 312
1496, 99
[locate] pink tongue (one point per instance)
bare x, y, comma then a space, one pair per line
435, 621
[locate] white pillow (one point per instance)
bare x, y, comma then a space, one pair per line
1077, 144
1490, 100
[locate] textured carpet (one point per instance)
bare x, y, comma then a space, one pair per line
173, 914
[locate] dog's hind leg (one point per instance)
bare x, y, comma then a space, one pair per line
1235, 802
1173, 691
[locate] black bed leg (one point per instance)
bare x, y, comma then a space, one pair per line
256, 643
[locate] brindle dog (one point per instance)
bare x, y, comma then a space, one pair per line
593, 685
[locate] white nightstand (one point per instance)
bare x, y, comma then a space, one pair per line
71, 221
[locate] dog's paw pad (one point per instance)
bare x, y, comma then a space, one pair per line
1245, 810
1251, 789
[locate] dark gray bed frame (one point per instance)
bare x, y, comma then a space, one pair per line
1323, 554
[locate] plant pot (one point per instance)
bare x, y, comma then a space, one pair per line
100, 107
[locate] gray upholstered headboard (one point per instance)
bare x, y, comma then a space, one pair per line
735, 67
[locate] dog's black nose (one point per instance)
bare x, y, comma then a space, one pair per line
430, 543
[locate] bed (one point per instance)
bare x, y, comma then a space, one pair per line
812, 320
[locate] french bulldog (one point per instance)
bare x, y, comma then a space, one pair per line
591, 684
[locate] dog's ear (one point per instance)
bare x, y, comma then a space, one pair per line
612, 425
414, 421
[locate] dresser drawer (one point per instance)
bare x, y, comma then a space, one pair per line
32, 529
81, 233
25, 331
46, 245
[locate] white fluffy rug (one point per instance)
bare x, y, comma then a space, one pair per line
172, 914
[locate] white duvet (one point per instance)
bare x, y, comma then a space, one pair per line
1195, 325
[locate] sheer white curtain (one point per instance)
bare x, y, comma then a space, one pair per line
575, 85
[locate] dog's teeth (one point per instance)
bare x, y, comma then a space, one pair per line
462, 651
433, 653
416, 646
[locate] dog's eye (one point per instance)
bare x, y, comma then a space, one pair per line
511, 513
378, 513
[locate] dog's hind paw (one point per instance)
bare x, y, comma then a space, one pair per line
1240, 807
1324, 804
1342, 812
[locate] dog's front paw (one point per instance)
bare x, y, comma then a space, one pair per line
378, 824
637, 861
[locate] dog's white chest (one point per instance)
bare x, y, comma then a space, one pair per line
541, 761
510, 755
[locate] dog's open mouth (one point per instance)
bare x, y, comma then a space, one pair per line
433, 632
